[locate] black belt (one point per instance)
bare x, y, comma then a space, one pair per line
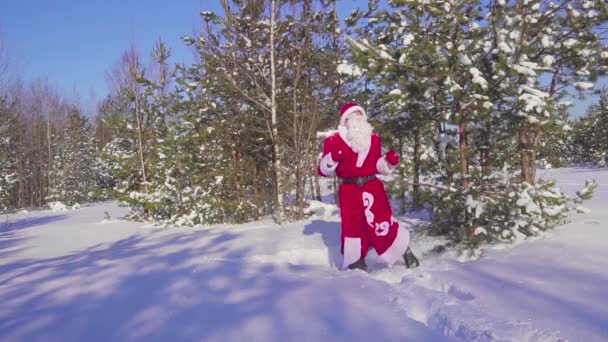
358, 180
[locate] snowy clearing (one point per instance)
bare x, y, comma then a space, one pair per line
72, 276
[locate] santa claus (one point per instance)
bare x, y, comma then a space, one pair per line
354, 154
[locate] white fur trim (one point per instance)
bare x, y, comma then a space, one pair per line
352, 251
349, 111
368, 202
328, 165
384, 167
361, 156
342, 131
399, 246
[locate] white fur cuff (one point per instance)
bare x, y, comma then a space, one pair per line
352, 251
384, 167
328, 166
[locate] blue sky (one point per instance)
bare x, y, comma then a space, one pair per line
74, 42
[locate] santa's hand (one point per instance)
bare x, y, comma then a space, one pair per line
330, 158
392, 158
332, 146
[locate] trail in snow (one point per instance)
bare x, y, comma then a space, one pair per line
73, 276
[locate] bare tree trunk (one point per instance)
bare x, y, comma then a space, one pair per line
317, 179
256, 211
402, 175
273, 109
140, 142
485, 150
50, 152
464, 147
417, 151
525, 155
538, 133
336, 46
535, 143
464, 168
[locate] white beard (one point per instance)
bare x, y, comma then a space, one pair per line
359, 133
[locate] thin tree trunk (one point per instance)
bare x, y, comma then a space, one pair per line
338, 94
537, 137
403, 187
538, 133
140, 143
50, 152
317, 179
336, 46
416, 187
464, 147
256, 211
273, 108
525, 155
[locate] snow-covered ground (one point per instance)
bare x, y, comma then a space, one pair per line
73, 276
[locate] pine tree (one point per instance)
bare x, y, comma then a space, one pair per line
478, 66
8, 174
72, 177
590, 141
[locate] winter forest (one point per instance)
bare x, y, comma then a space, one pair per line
474, 95
184, 202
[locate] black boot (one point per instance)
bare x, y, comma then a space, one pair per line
360, 265
410, 259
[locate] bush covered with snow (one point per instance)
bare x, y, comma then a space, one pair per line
499, 209
57, 207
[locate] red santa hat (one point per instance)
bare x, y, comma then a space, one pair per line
348, 109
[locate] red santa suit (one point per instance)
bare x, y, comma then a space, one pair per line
366, 214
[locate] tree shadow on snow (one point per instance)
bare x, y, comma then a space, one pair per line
188, 286
11, 232
30, 222
330, 233
543, 288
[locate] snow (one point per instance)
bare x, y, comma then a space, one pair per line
349, 70
403, 58
57, 207
583, 85
504, 47
533, 91
407, 39
523, 70
464, 59
570, 42
480, 230
527, 203
472, 204
478, 78
547, 41
74, 276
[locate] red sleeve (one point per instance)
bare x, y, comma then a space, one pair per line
327, 144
